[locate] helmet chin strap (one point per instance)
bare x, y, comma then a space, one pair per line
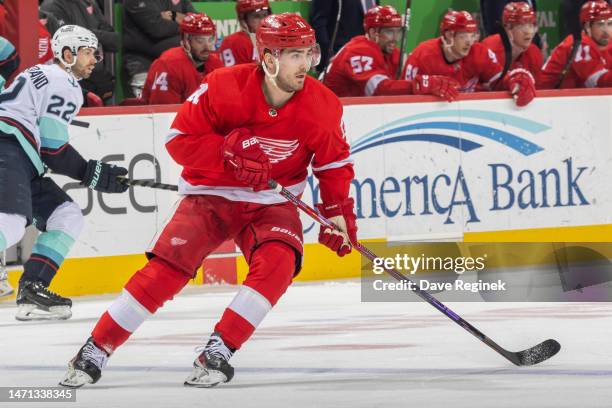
448, 47
68, 67
272, 76
187, 48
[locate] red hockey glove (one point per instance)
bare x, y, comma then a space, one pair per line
245, 158
342, 215
522, 86
438, 85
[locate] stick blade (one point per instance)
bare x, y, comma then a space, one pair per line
535, 354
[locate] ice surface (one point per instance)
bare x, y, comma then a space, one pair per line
322, 347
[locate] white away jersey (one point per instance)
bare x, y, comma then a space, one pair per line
38, 107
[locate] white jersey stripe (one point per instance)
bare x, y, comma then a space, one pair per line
251, 305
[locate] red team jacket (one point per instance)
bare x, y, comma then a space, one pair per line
238, 48
308, 129
589, 64
360, 66
480, 66
531, 59
173, 77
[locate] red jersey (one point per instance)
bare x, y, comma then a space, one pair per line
173, 77
307, 129
45, 54
360, 68
589, 65
531, 59
238, 48
479, 67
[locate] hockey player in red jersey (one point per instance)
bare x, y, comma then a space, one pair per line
592, 61
519, 23
458, 54
367, 65
178, 71
243, 126
239, 48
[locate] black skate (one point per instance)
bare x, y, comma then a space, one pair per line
36, 302
211, 367
86, 367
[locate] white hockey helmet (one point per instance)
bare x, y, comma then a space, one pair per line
74, 37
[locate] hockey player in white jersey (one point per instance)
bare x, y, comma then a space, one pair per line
35, 112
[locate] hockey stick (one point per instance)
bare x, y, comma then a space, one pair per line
576, 35
405, 29
530, 356
507, 51
330, 51
79, 123
147, 183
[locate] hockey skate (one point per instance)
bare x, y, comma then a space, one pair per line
5, 288
211, 367
36, 302
86, 367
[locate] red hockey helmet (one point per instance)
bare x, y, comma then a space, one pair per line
286, 30
518, 12
198, 24
595, 11
381, 16
458, 21
247, 6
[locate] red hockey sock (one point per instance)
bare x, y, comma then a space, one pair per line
144, 293
270, 273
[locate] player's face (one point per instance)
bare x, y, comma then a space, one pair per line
600, 32
462, 43
201, 46
388, 37
294, 66
254, 19
85, 62
522, 35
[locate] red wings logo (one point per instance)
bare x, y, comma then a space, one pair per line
277, 150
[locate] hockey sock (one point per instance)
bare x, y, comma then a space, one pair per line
144, 293
61, 229
270, 273
47, 255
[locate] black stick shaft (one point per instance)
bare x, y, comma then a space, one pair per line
405, 29
426, 296
79, 123
148, 183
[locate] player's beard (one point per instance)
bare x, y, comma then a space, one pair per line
290, 83
389, 47
83, 72
201, 58
603, 41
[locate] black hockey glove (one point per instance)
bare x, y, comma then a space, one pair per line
102, 177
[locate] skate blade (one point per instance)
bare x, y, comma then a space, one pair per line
28, 312
201, 378
75, 379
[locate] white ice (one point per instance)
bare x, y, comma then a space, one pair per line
322, 347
